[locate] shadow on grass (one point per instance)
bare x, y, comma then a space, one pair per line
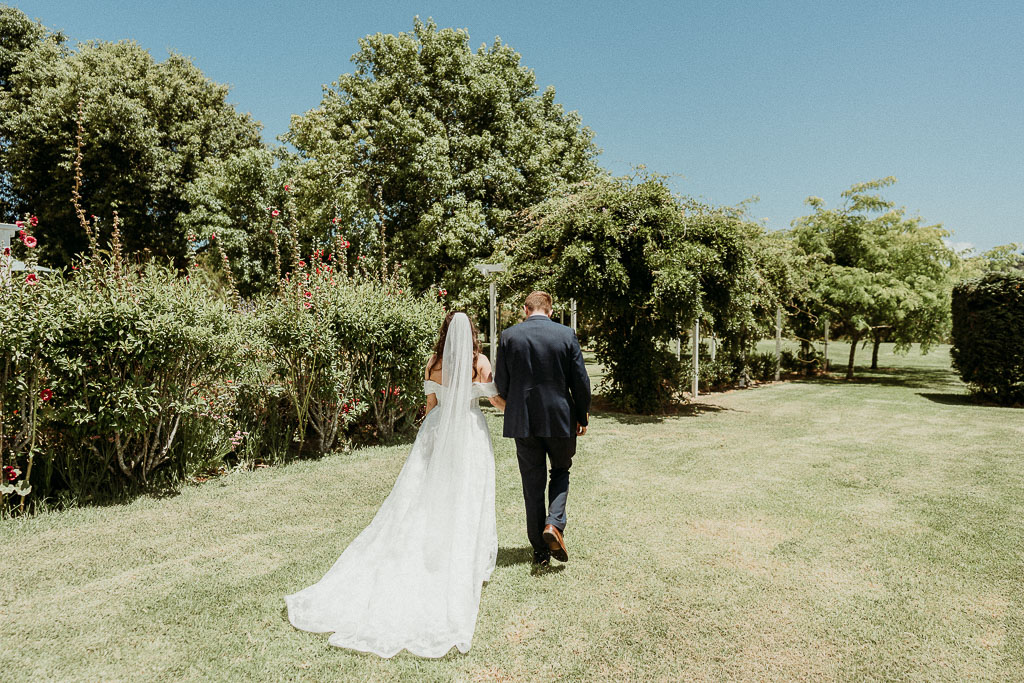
508, 557
601, 407
965, 400
911, 378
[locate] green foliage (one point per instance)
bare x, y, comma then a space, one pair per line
988, 335
345, 351
233, 199
117, 377
1006, 258
426, 150
108, 364
884, 275
641, 265
152, 127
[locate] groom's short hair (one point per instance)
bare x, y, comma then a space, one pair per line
539, 301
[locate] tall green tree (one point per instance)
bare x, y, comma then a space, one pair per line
150, 127
642, 264
877, 273
427, 149
18, 36
1005, 258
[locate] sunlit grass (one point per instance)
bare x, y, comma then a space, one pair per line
802, 530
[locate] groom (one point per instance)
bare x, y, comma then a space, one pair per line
542, 378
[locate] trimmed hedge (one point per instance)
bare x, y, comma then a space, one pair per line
988, 335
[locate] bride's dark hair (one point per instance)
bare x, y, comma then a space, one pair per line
439, 347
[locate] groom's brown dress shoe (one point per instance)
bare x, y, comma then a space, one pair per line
553, 537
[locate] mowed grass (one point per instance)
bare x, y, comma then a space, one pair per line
803, 530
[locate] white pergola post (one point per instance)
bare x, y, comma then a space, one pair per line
488, 270
493, 332
572, 314
696, 358
778, 342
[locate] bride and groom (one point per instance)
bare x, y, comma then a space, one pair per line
412, 579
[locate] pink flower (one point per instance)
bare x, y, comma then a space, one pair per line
31, 278
20, 224
307, 304
308, 295
46, 394
302, 264
29, 241
275, 213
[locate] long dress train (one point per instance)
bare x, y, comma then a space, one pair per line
412, 579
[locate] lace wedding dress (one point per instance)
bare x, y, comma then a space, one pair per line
412, 579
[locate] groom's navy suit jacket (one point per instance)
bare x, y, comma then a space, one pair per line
542, 378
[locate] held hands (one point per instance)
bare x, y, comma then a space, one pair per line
498, 402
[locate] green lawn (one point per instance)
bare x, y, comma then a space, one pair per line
803, 530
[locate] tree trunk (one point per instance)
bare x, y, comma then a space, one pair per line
874, 351
853, 351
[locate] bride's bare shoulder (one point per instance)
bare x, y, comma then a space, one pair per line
483, 369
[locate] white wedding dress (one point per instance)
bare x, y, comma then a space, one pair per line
412, 579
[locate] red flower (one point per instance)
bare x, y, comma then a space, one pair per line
46, 394
275, 212
443, 292
20, 224
302, 264
334, 220
307, 304
287, 187
213, 235
307, 294
31, 278
33, 221
346, 244
10, 473
7, 251
29, 241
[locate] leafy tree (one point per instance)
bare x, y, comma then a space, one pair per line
428, 148
1006, 258
643, 265
18, 35
233, 199
150, 127
877, 273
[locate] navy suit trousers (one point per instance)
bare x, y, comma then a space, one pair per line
534, 453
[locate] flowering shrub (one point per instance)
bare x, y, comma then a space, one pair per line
342, 352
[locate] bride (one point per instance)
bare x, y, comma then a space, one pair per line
412, 578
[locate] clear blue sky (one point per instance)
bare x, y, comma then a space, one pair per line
776, 99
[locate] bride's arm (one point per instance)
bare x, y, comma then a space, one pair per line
431, 398
483, 368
